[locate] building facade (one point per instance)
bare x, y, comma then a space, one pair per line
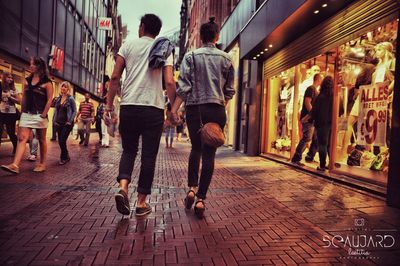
65, 34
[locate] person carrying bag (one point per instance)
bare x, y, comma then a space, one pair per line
206, 85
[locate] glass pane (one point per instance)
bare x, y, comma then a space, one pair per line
366, 95
60, 25
279, 103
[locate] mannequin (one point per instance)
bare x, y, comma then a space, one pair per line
370, 74
284, 98
364, 78
385, 72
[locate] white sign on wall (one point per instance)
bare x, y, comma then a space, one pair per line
105, 23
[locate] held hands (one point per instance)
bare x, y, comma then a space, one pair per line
174, 118
110, 117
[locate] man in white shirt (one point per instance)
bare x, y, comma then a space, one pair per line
141, 111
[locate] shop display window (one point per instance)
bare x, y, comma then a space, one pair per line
363, 72
279, 98
365, 89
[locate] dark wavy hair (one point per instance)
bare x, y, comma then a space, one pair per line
42, 66
327, 86
209, 30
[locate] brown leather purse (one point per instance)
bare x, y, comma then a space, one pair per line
211, 133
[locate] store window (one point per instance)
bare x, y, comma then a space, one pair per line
359, 142
365, 87
278, 100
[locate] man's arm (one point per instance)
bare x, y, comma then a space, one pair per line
307, 103
168, 73
115, 82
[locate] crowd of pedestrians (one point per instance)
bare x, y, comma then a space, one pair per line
143, 114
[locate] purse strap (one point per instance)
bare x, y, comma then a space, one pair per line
195, 83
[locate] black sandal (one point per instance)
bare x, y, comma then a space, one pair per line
189, 200
199, 211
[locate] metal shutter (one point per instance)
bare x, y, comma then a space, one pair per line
347, 25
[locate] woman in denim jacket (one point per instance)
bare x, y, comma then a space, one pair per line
206, 85
64, 116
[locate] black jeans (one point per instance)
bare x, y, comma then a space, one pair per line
63, 132
323, 135
98, 128
9, 120
309, 134
147, 122
209, 113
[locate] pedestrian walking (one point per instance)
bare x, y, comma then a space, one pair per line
98, 118
322, 116
169, 127
307, 124
105, 137
53, 121
85, 118
206, 85
33, 146
180, 126
142, 107
8, 110
36, 101
64, 116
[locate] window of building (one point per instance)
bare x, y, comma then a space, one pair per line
358, 131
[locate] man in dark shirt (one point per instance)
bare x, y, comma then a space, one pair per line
307, 124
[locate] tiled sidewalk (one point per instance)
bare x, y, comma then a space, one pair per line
258, 213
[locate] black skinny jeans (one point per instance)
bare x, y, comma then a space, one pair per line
63, 132
136, 121
209, 113
9, 120
323, 135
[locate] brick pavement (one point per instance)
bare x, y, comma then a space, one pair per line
258, 213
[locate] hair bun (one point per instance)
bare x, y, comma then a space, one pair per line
211, 19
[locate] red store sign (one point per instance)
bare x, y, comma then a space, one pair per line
56, 58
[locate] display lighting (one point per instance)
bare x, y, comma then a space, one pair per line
266, 49
324, 5
261, 52
258, 55
270, 46
316, 11
254, 58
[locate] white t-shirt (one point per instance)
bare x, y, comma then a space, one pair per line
142, 85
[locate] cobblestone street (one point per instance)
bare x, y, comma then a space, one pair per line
259, 212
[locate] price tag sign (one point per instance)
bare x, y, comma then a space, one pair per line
373, 114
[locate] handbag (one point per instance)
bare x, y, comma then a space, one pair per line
354, 158
211, 133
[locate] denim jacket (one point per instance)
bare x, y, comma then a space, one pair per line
213, 80
71, 109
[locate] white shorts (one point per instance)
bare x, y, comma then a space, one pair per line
33, 121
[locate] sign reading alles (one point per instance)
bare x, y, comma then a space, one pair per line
372, 119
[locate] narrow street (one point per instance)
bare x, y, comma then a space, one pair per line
258, 213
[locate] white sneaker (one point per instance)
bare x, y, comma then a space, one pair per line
31, 158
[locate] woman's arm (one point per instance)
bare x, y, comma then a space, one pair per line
73, 106
17, 99
49, 90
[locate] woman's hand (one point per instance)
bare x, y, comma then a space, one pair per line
175, 119
43, 116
